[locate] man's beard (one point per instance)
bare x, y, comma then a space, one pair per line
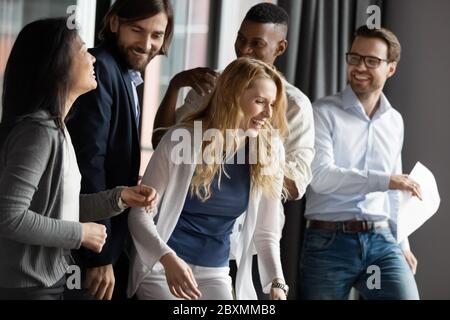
127, 54
366, 89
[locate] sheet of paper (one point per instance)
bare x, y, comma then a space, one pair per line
414, 212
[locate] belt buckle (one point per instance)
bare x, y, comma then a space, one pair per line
369, 226
345, 230
365, 226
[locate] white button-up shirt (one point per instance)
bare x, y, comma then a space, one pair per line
355, 157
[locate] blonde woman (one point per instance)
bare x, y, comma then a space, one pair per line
208, 173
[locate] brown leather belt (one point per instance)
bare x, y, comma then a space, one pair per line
352, 226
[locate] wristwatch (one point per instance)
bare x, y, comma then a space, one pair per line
282, 286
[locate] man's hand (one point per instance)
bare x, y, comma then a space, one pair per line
411, 259
140, 196
100, 282
202, 80
291, 189
180, 278
405, 183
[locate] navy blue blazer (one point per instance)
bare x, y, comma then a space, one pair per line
105, 136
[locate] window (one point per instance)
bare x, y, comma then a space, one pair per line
189, 49
15, 14
232, 14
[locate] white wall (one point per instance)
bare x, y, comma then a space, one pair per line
86, 10
232, 14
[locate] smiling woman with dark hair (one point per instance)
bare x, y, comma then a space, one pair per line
40, 202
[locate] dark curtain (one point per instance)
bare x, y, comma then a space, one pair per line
102, 8
320, 33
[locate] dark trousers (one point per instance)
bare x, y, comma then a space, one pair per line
290, 250
54, 292
121, 268
255, 277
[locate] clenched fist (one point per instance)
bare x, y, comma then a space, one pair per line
93, 236
140, 196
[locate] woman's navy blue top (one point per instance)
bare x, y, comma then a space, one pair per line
202, 234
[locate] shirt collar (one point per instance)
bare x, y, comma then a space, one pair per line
350, 100
136, 77
385, 105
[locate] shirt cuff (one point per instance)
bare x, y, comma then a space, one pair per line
292, 173
378, 181
404, 245
117, 196
122, 205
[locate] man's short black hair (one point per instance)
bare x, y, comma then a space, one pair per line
268, 13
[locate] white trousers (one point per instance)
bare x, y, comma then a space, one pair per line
213, 283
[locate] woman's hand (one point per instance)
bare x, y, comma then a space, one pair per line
180, 278
277, 294
93, 236
140, 196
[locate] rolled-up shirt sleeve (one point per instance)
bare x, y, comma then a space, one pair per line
299, 144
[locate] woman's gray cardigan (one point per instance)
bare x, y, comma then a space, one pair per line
33, 239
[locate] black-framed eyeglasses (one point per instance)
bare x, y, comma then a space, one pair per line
371, 62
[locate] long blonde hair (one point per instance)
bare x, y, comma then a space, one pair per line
223, 112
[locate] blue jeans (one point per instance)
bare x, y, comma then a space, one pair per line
333, 262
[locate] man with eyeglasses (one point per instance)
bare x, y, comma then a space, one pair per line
350, 240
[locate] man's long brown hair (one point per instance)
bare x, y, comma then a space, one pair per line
129, 11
